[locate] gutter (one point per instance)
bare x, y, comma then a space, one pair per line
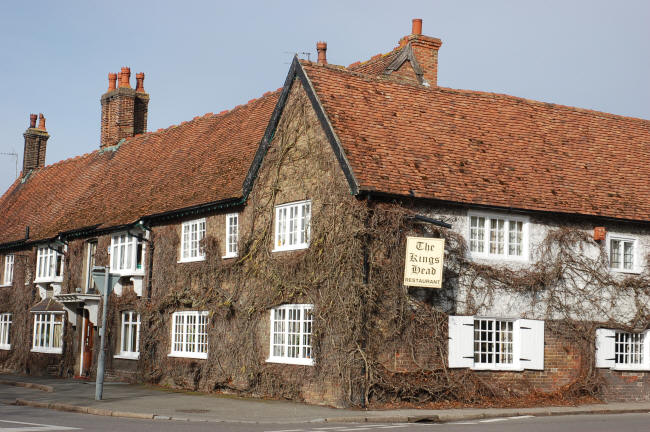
93, 230
392, 196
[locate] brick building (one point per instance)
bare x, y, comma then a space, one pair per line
256, 249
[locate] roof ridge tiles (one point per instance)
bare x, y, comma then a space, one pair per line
479, 93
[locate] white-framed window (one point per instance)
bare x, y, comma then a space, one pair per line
193, 233
495, 343
292, 226
48, 332
291, 334
622, 254
498, 236
91, 253
232, 234
8, 275
622, 350
130, 336
49, 265
5, 331
127, 254
190, 334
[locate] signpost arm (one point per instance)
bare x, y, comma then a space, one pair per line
99, 383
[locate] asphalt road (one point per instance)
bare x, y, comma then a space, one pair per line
27, 419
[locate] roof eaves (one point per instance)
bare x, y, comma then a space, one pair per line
395, 196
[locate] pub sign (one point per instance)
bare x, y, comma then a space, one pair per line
423, 263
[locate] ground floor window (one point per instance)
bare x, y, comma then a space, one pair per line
496, 343
291, 334
48, 332
5, 331
190, 334
622, 350
130, 335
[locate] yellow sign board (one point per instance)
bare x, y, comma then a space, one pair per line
423, 263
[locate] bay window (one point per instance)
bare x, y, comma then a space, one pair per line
127, 254
49, 265
48, 332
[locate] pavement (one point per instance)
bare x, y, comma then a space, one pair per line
148, 402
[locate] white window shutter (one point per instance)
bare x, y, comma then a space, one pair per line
605, 340
461, 341
531, 335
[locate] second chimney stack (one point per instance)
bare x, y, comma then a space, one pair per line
124, 110
321, 47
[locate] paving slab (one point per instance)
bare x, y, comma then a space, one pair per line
140, 401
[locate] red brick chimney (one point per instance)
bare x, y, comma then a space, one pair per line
321, 47
124, 110
425, 50
35, 144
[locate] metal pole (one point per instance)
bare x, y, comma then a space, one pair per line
99, 383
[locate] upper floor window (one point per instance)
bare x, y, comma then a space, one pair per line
291, 334
91, 252
292, 230
9, 270
493, 236
496, 344
5, 331
130, 335
190, 334
232, 234
49, 265
622, 254
622, 350
191, 241
48, 332
127, 254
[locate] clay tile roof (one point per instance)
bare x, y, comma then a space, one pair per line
377, 64
487, 149
197, 162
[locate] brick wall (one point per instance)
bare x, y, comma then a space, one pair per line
625, 386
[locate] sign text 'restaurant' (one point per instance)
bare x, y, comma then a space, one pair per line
423, 264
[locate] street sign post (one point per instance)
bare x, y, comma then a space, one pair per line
104, 282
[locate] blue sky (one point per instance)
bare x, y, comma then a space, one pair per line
207, 56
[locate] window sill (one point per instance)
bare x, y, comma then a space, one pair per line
5, 347
624, 271
291, 248
508, 368
125, 273
47, 350
202, 356
6, 285
188, 260
57, 279
292, 361
503, 258
127, 356
226, 256
631, 368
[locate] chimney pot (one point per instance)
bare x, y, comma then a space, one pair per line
321, 47
139, 86
112, 80
417, 26
32, 120
41, 122
125, 77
